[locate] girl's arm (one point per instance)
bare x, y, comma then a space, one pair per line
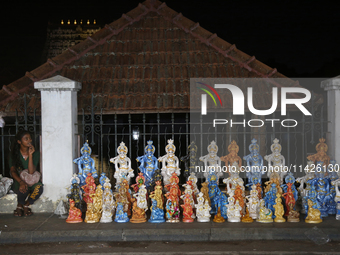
15, 176
31, 167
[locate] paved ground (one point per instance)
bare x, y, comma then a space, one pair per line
172, 248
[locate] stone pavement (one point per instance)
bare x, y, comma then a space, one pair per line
47, 227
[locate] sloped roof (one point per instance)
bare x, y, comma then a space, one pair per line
141, 62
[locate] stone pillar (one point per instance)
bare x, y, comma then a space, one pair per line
58, 118
332, 86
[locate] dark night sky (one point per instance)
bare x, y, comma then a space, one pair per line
298, 37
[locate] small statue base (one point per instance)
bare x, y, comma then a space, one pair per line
122, 221
157, 221
218, 218
280, 220
189, 220
234, 219
173, 221
74, 221
203, 219
107, 220
293, 219
265, 220
253, 216
140, 220
91, 221
313, 221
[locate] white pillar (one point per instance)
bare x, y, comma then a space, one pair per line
332, 86
58, 118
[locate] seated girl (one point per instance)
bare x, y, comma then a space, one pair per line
23, 162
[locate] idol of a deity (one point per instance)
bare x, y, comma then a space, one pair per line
313, 215
332, 176
293, 216
148, 164
172, 211
108, 203
218, 217
97, 201
102, 179
193, 180
305, 187
201, 207
279, 211
170, 163
74, 214
212, 163
270, 197
75, 194
276, 162
233, 180
141, 198
240, 197
140, 180
85, 164
157, 213
91, 215
232, 157
321, 153
121, 215
138, 214
89, 188
205, 191
188, 193
214, 193
190, 160
157, 195
291, 194
122, 198
122, 164
265, 214
234, 210
253, 202
254, 161
246, 218
188, 213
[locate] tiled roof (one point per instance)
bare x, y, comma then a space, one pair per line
141, 62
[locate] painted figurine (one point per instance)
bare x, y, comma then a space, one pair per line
108, 203
276, 162
85, 164
212, 163
121, 215
293, 216
253, 203
172, 211
189, 193
190, 160
305, 186
291, 194
188, 214
233, 180
205, 191
140, 180
102, 179
321, 153
75, 191
91, 215
232, 158
193, 180
337, 197
246, 218
234, 210
313, 215
218, 218
332, 176
138, 214
97, 201
122, 164
201, 209
279, 211
322, 188
157, 194
89, 188
157, 214
148, 164
270, 197
74, 214
265, 214
254, 161
121, 198
239, 196
214, 192
141, 198
170, 163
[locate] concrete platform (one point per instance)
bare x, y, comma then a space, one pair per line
47, 227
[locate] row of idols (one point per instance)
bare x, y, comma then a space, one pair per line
319, 192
